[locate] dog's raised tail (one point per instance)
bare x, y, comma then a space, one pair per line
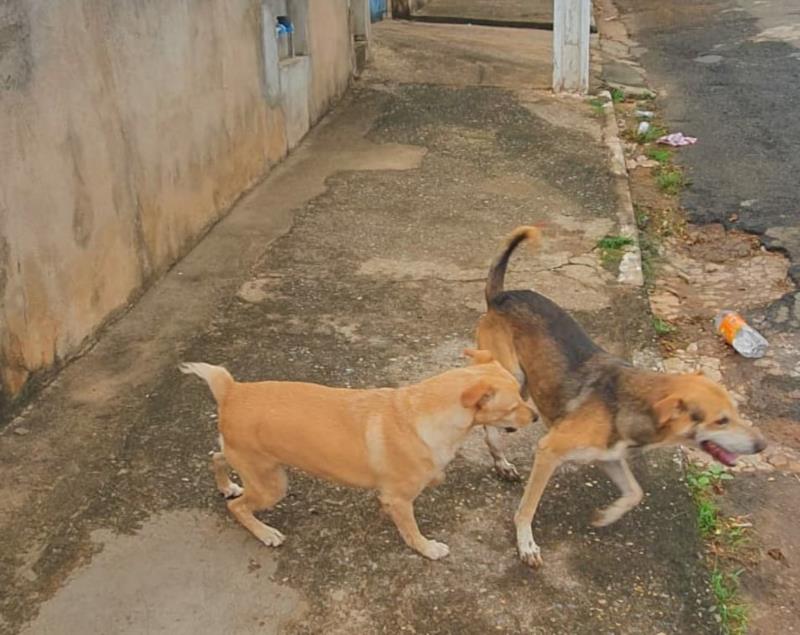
218, 379
497, 271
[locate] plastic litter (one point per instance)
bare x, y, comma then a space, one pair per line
744, 338
644, 114
677, 139
644, 126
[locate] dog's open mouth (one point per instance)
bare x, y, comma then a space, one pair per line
721, 454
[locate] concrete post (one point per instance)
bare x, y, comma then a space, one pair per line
571, 24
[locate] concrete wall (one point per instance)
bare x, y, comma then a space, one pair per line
127, 128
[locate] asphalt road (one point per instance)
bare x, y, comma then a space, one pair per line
728, 72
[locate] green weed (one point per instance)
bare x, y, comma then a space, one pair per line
670, 180
703, 482
598, 107
612, 248
732, 613
614, 242
661, 155
617, 95
723, 537
662, 327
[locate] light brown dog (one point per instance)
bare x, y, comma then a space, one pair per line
396, 441
595, 405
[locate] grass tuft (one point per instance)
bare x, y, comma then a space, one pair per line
725, 539
612, 248
617, 95
733, 614
598, 109
662, 327
614, 242
670, 180
662, 155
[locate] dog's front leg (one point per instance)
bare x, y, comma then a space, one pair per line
401, 511
544, 464
621, 475
506, 469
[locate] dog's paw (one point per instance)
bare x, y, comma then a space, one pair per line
605, 516
434, 550
232, 491
271, 536
506, 470
530, 554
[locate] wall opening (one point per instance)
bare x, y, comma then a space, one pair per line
287, 71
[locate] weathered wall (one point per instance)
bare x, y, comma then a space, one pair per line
126, 128
330, 48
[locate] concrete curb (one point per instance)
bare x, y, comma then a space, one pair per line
612, 32
630, 268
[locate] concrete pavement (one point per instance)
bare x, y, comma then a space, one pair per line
359, 262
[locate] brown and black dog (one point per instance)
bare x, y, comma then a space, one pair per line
595, 405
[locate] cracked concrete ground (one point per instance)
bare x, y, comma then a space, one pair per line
358, 262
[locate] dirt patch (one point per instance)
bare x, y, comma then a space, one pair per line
772, 584
783, 431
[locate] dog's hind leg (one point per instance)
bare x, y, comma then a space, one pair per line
506, 469
621, 475
401, 511
219, 466
263, 489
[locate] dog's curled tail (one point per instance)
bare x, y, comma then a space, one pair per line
218, 379
497, 271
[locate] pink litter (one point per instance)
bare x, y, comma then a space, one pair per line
677, 139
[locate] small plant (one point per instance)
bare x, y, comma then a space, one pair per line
662, 327
661, 155
617, 95
612, 249
724, 538
670, 180
701, 482
733, 615
598, 107
614, 242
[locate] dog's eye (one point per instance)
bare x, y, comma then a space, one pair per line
722, 421
697, 416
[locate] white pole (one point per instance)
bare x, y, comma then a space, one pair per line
571, 24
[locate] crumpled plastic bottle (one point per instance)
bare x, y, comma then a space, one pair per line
744, 338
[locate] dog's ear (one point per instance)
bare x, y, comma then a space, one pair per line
668, 409
477, 395
479, 356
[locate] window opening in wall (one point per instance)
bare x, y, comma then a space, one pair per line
284, 32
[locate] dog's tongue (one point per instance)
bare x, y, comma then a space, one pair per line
721, 454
